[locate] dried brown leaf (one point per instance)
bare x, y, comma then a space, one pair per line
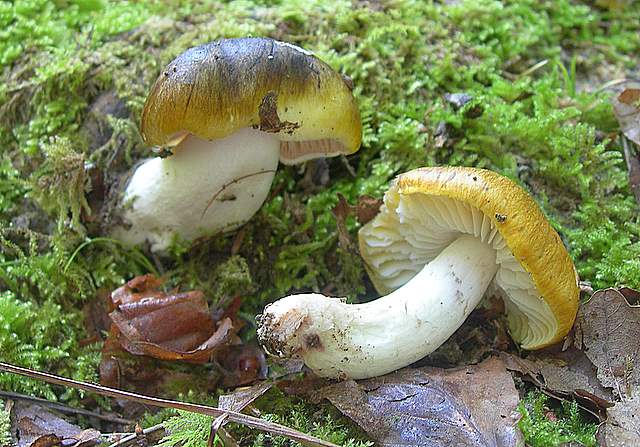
37, 426
627, 111
630, 96
565, 372
469, 406
49, 440
341, 211
367, 208
179, 326
609, 330
623, 427
564, 375
626, 107
86, 437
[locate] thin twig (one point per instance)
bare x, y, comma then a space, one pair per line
533, 68
133, 436
64, 408
243, 419
226, 185
615, 82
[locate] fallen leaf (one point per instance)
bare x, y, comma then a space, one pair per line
46, 441
623, 427
608, 329
341, 211
627, 111
468, 406
87, 437
626, 107
367, 208
564, 372
37, 426
632, 296
567, 375
150, 325
179, 326
146, 375
630, 96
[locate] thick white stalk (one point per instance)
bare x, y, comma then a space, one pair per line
204, 188
357, 341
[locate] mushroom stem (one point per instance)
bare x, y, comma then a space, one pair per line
358, 341
203, 188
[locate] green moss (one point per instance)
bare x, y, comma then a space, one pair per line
187, 429
566, 425
42, 337
60, 183
190, 429
292, 412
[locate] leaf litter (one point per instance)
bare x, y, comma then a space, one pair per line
36, 426
608, 331
469, 406
472, 405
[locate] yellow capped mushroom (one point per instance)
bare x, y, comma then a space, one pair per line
228, 111
442, 236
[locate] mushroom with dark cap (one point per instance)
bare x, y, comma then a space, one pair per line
227, 111
442, 236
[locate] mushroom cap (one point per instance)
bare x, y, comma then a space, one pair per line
427, 208
215, 89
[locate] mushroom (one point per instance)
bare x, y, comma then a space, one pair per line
226, 112
441, 238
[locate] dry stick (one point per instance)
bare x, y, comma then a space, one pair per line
226, 185
133, 436
249, 421
64, 408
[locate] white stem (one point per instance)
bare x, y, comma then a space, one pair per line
204, 188
357, 341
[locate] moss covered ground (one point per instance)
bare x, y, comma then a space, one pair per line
538, 73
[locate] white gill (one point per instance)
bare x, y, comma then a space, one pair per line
428, 224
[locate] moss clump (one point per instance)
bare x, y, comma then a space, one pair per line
191, 429
323, 423
43, 338
61, 182
543, 427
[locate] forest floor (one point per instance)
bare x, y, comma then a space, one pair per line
541, 79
